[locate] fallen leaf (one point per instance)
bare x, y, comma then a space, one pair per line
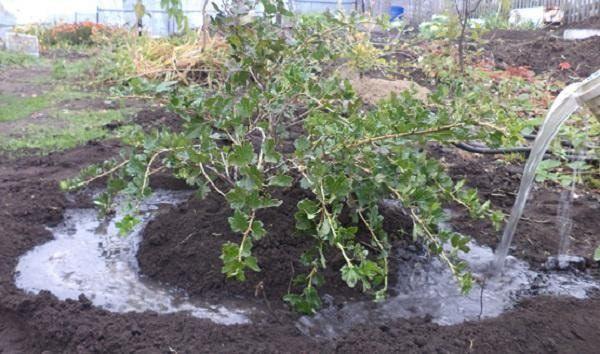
565, 65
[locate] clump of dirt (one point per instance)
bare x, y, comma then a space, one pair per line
543, 52
159, 118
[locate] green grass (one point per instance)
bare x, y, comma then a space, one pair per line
13, 59
57, 128
71, 128
73, 70
15, 107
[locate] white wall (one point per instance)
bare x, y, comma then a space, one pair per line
28, 11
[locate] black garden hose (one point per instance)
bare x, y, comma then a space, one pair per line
519, 150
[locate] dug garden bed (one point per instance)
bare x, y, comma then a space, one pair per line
542, 51
31, 323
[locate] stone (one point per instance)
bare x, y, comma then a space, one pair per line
22, 43
565, 262
575, 34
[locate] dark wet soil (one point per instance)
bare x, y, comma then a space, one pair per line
158, 118
542, 51
30, 199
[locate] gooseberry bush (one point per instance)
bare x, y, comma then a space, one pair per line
350, 156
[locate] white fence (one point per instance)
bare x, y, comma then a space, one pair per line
417, 11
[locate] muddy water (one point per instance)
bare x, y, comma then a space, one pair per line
88, 256
426, 288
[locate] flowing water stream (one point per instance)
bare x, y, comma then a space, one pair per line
565, 104
564, 220
561, 109
88, 256
564, 214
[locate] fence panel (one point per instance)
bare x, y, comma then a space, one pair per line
417, 11
317, 6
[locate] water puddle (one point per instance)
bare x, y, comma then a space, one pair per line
88, 256
426, 288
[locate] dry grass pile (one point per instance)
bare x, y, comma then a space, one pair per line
187, 62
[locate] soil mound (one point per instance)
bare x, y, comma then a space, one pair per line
158, 119
182, 245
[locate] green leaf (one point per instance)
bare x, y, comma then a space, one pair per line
202, 191
307, 303
251, 263
350, 275
165, 86
370, 269
237, 198
269, 6
466, 283
242, 155
246, 249
252, 178
239, 221
302, 145
127, 224
309, 207
232, 266
281, 181
325, 228
271, 155
302, 221
258, 229
337, 186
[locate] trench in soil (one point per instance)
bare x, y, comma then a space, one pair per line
88, 256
